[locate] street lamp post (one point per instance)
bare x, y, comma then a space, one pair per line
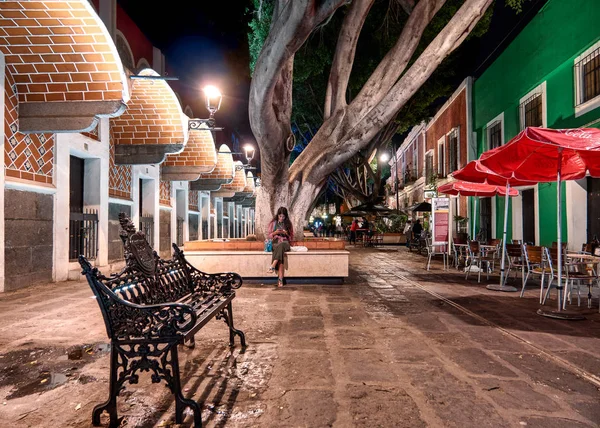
213, 104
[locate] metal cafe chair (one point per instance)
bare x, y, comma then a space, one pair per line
478, 259
550, 259
534, 265
436, 249
516, 261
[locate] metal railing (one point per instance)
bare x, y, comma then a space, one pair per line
83, 235
179, 241
147, 227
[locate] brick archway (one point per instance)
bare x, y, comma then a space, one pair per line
153, 124
238, 184
223, 173
198, 157
65, 65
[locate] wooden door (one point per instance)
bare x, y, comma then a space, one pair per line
593, 208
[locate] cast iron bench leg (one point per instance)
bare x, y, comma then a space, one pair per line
109, 405
227, 316
180, 401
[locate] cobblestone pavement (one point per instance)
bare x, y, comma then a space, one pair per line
395, 346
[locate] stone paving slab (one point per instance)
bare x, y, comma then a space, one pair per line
393, 346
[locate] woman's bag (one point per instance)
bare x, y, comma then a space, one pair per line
268, 245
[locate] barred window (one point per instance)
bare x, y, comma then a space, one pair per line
587, 73
428, 165
531, 111
441, 159
495, 134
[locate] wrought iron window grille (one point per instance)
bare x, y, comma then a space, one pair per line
531, 111
587, 72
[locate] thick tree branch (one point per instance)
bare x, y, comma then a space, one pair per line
354, 136
407, 5
335, 96
394, 63
293, 21
453, 34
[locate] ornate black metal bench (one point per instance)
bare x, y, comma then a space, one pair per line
150, 308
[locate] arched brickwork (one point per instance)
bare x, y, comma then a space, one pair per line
223, 173
153, 124
239, 180
65, 65
198, 157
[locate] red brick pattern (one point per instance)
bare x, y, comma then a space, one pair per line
199, 151
119, 176
59, 51
193, 200
165, 193
26, 156
239, 181
153, 116
224, 169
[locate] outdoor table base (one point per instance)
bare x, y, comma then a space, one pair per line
505, 288
560, 315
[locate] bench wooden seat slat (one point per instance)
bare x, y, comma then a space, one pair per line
152, 307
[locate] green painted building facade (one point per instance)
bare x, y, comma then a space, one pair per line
549, 75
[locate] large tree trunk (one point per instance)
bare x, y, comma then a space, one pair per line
348, 127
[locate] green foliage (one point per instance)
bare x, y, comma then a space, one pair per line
395, 224
259, 28
516, 4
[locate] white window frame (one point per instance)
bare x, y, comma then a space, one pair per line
541, 88
457, 130
589, 105
441, 171
499, 118
415, 160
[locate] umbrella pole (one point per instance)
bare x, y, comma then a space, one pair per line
501, 286
474, 217
560, 314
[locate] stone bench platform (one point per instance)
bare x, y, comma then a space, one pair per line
314, 263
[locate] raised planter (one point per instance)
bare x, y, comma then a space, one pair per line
394, 238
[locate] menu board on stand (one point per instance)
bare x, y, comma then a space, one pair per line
440, 221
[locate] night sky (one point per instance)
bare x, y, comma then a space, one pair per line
204, 42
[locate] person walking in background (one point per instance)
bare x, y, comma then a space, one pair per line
417, 229
282, 233
353, 229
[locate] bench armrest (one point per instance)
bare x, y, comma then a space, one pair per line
214, 281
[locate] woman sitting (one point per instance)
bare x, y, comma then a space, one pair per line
281, 232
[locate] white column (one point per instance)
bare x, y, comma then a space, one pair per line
517, 217
61, 208
576, 202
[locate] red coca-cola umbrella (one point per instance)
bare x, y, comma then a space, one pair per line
479, 190
475, 172
466, 188
546, 155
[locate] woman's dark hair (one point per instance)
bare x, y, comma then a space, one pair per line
287, 222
